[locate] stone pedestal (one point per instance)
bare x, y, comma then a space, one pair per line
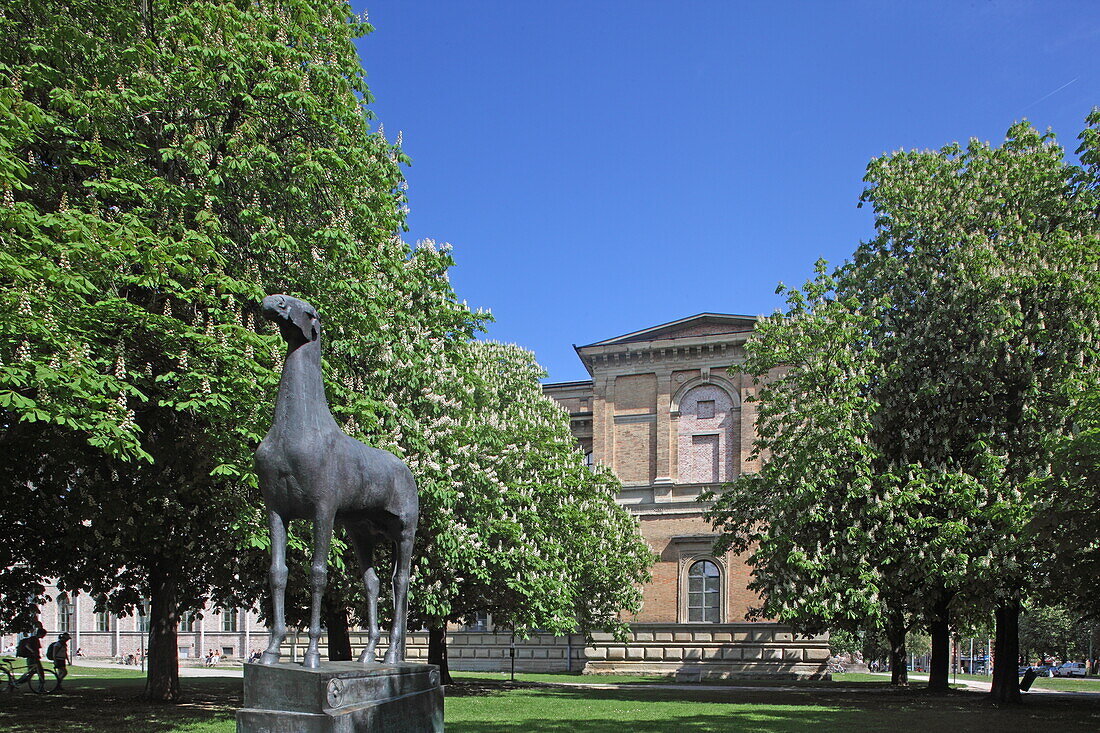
341, 697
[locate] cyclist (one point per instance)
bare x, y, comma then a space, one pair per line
58, 653
30, 649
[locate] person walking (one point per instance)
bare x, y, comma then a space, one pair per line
30, 649
58, 653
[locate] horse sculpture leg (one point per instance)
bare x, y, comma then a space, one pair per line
402, 565
364, 549
318, 578
277, 577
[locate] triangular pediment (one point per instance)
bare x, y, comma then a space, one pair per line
703, 324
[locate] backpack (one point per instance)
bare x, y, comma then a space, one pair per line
52, 650
24, 647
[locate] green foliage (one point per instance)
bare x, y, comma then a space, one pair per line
988, 258
909, 401
813, 517
164, 167
1068, 528
1054, 632
518, 526
1070, 524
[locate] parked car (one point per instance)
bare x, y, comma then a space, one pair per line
1072, 669
1045, 670
1023, 668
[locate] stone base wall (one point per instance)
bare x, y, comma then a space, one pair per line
713, 651
716, 651
710, 651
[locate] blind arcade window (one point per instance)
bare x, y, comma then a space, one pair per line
705, 409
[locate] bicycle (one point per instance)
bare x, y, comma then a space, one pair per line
40, 684
836, 668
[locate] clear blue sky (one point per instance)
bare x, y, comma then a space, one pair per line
601, 167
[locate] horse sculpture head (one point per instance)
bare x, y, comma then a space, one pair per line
298, 320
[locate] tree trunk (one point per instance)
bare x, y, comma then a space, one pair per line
1006, 653
339, 636
899, 662
940, 630
437, 651
163, 681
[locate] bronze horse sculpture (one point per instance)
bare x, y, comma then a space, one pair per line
310, 469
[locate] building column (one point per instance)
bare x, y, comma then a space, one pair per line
748, 432
118, 635
662, 482
245, 650
76, 625
603, 422
201, 651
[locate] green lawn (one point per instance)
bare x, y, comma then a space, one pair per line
845, 680
120, 672
109, 700
618, 679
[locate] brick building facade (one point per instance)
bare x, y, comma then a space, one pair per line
663, 412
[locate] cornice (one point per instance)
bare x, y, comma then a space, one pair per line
673, 350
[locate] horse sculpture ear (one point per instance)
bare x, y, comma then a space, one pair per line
308, 322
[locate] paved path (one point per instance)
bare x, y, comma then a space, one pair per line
973, 685
970, 684
982, 686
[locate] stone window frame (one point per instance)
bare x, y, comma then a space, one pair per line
709, 378
230, 621
141, 616
692, 550
66, 614
103, 622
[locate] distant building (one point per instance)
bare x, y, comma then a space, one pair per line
232, 633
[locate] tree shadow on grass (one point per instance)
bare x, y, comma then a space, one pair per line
116, 706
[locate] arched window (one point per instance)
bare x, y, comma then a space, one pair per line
704, 592
66, 614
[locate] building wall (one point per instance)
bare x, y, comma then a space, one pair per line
645, 424
665, 414
125, 635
